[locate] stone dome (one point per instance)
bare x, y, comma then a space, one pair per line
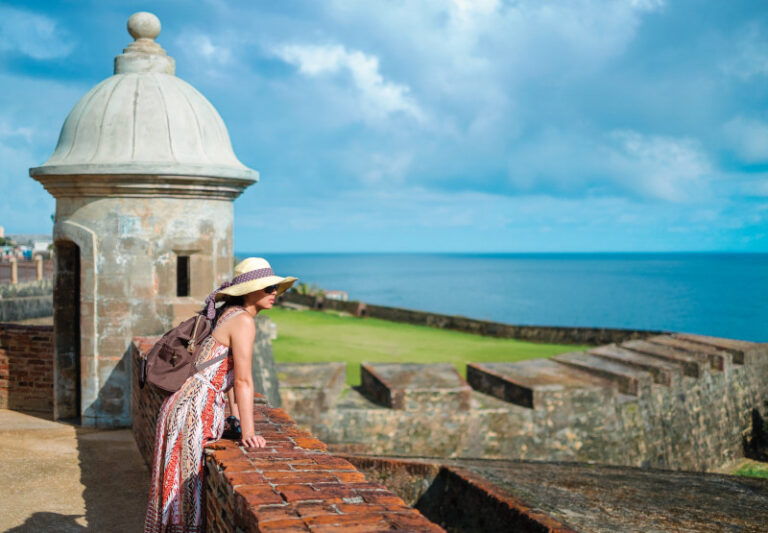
143, 121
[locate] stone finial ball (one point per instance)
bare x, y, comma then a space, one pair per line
143, 25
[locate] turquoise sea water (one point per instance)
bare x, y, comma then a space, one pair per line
715, 294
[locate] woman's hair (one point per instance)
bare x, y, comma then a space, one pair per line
227, 302
232, 300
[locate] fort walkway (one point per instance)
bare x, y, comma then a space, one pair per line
64, 478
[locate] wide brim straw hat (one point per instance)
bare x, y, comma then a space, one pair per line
253, 274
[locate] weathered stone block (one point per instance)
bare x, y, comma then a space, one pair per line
308, 389
630, 380
736, 347
663, 372
529, 383
414, 387
719, 359
693, 364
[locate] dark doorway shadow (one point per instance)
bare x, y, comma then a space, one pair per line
756, 444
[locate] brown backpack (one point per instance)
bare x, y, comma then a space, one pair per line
172, 359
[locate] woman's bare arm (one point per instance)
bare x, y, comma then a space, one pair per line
233, 404
242, 334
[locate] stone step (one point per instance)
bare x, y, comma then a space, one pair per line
719, 359
691, 364
415, 387
629, 380
663, 372
737, 348
534, 383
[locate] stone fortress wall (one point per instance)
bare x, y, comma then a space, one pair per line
677, 401
670, 401
550, 334
33, 299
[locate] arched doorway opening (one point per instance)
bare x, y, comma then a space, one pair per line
66, 323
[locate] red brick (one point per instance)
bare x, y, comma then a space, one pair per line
335, 462
365, 486
225, 455
274, 512
296, 493
283, 525
362, 528
313, 509
349, 476
257, 496
411, 521
343, 519
237, 466
244, 478
382, 497
313, 467
364, 508
310, 443
299, 477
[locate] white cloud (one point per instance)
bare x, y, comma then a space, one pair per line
36, 36
668, 168
8, 131
748, 137
647, 5
387, 168
619, 162
380, 98
749, 54
210, 51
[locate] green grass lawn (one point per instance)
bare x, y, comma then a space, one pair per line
752, 469
312, 336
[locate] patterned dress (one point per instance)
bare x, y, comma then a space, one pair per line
188, 419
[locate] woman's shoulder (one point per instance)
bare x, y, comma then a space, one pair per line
228, 312
236, 315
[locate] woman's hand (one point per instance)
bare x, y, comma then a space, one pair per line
253, 441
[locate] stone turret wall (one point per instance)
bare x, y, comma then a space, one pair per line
677, 402
128, 252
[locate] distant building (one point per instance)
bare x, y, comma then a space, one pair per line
41, 246
2, 232
335, 295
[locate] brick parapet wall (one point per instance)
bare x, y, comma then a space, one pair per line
292, 484
548, 334
26, 368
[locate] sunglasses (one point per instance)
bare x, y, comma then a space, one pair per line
271, 289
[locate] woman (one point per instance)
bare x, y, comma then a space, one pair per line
194, 415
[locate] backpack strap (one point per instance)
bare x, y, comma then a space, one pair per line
226, 315
210, 362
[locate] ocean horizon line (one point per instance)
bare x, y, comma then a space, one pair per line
508, 254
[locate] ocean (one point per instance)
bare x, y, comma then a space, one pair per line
719, 294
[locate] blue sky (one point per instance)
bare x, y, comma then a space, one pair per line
437, 125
